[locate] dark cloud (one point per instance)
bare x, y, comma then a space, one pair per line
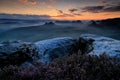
105, 8
64, 15
77, 14
60, 11
112, 9
94, 9
71, 15
73, 10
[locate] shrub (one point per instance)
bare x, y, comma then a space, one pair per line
73, 67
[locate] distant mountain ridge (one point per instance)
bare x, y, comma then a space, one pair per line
106, 23
111, 22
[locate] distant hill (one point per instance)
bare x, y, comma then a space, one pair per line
115, 22
68, 21
110, 22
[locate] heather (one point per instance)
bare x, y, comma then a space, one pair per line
74, 67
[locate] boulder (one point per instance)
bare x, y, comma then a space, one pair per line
51, 49
17, 52
106, 45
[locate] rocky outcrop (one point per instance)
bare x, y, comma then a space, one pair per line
106, 45
93, 23
49, 23
60, 47
54, 48
77, 21
17, 52
63, 21
26, 54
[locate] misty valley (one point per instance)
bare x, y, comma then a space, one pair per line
35, 30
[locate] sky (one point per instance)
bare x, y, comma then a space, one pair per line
63, 9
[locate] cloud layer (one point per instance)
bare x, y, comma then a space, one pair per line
63, 9
96, 9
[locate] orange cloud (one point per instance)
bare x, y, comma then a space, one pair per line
50, 6
52, 0
32, 2
102, 2
57, 11
46, 5
23, 1
42, 3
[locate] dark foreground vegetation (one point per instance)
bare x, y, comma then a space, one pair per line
74, 67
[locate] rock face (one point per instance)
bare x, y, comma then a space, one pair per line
104, 45
16, 53
60, 47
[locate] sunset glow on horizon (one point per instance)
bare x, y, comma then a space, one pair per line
64, 9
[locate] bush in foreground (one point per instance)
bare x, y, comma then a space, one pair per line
73, 67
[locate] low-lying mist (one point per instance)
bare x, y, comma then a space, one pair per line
39, 30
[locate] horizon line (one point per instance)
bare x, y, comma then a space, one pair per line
50, 17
